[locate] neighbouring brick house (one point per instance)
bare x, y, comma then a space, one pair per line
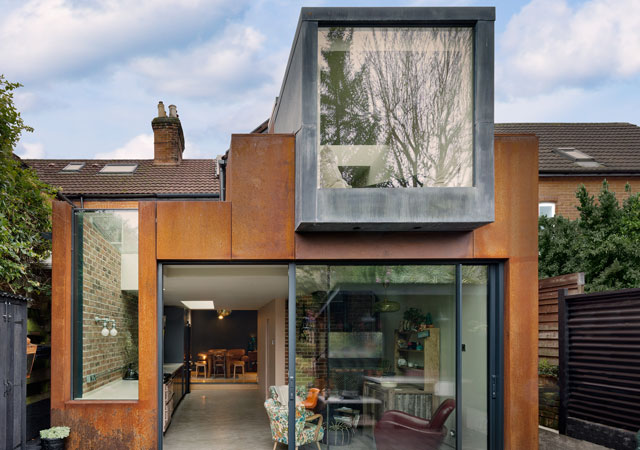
572, 154
109, 271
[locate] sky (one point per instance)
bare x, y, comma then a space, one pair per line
94, 71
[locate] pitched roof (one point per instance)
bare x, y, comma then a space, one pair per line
616, 146
191, 176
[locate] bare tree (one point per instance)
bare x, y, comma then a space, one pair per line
419, 83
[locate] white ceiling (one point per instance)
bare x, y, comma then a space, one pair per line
229, 286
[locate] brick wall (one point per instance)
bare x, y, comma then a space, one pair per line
562, 191
311, 341
548, 401
103, 356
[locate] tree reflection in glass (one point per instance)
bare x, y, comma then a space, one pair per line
396, 107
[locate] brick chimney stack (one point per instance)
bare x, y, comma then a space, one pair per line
168, 138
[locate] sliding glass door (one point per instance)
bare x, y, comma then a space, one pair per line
399, 353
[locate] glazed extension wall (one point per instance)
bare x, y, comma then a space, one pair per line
562, 191
103, 356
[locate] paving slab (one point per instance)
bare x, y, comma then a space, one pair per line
551, 440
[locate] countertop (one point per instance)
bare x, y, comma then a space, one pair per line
171, 368
116, 390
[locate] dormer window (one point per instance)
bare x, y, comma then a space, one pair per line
72, 167
119, 169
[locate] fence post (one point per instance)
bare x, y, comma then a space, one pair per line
563, 363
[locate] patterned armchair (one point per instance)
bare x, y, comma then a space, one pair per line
301, 391
306, 431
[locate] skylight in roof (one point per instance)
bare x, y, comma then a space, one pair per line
119, 168
578, 157
73, 167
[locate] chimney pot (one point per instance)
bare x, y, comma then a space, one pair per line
161, 110
168, 138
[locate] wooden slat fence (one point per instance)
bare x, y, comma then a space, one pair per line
548, 311
599, 341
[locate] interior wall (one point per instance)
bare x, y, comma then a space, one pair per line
208, 332
271, 345
174, 334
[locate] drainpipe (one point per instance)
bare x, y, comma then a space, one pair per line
222, 165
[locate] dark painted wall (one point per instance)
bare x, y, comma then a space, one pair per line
174, 334
207, 331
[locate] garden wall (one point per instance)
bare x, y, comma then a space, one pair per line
548, 311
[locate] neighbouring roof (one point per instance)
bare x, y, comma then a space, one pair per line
616, 146
191, 176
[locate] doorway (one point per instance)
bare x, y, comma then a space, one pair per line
222, 346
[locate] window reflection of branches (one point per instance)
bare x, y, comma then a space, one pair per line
396, 107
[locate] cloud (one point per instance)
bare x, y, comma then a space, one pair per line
139, 147
30, 150
231, 62
42, 39
550, 44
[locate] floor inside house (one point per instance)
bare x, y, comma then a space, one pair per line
229, 417
247, 378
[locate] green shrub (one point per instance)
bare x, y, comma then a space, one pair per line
546, 368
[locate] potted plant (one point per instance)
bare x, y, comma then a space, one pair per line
53, 438
338, 434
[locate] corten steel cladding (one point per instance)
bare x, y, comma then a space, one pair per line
105, 423
261, 189
194, 230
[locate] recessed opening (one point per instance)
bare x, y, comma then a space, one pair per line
223, 344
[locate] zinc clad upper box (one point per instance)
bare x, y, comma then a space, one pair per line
393, 114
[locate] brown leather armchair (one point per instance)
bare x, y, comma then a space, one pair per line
398, 430
235, 354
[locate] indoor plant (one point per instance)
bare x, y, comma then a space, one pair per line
53, 438
338, 434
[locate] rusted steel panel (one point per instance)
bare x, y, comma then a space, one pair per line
94, 423
602, 367
261, 188
371, 245
194, 230
513, 236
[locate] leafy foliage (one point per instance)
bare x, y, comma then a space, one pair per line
546, 368
25, 207
344, 114
604, 242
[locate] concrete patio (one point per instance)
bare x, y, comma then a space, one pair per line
551, 440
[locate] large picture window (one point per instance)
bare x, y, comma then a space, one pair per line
105, 359
384, 345
395, 107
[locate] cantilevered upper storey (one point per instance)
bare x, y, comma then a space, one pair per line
393, 114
